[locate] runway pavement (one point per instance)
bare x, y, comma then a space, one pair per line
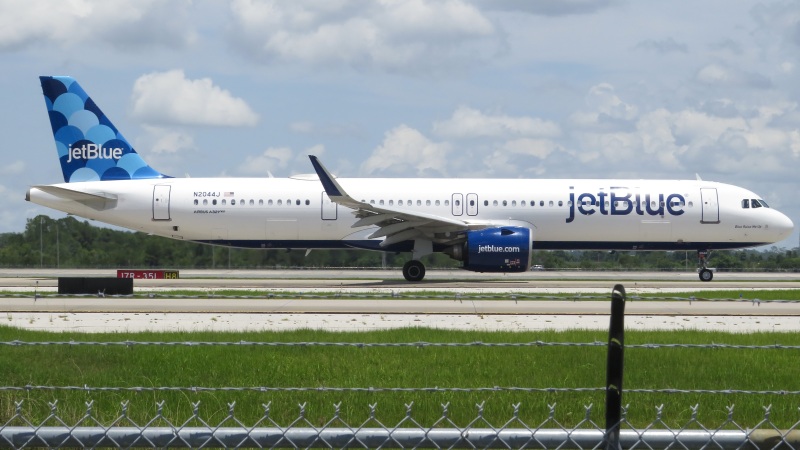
438, 280
217, 314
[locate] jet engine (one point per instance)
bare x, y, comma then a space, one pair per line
501, 249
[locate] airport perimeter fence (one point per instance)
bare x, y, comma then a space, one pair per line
230, 432
23, 428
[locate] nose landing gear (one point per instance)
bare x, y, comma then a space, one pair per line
704, 272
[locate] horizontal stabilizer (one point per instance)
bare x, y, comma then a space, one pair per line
95, 200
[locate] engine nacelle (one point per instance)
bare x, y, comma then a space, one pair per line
502, 249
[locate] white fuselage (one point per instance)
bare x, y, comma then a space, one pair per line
562, 214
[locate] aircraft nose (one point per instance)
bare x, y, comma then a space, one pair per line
782, 226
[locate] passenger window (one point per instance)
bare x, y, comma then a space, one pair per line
533, 202
399, 203
214, 202
260, 202
280, 202
472, 203
427, 203
745, 203
308, 202
505, 203
289, 202
447, 203
195, 202
494, 203
297, 202
269, 203
551, 203
391, 202
381, 202
513, 203
252, 202
560, 203
438, 202
458, 203
419, 202
541, 202
205, 202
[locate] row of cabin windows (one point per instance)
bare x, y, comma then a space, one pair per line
514, 203
251, 202
745, 203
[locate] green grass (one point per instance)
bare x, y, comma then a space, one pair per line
467, 367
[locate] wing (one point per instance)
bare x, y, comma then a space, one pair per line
395, 226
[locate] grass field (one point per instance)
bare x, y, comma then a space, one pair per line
408, 367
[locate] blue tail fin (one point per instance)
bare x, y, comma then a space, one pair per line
89, 145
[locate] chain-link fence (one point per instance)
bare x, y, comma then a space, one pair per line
195, 432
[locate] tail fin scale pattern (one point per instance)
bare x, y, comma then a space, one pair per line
89, 146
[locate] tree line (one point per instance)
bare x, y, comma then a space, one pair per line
71, 243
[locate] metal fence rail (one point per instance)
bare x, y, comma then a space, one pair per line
230, 432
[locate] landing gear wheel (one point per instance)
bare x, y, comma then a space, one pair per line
414, 270
706, 275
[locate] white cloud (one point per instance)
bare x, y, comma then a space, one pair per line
405, 149
169, 97
720, 75
168, 141
270, 160
395, 36
135, 24
470, 123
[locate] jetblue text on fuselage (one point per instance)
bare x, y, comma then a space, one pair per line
621, 202
93, 151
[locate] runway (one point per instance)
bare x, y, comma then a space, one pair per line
160, 313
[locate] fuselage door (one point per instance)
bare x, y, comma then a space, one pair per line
161, 201
329, 211
472, 204
458, 204
710, 205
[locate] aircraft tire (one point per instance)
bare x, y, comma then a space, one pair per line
706, 275
413, 271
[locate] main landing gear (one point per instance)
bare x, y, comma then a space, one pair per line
414, 270
705, 273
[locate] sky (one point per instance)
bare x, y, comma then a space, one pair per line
416, 88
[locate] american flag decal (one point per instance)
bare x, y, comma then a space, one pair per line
228, 194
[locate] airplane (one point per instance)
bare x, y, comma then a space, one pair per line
490, 225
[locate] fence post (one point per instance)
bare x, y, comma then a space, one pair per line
614, 368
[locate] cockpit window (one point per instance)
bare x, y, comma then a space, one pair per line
754, 203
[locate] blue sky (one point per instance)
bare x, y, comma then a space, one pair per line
451, 88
